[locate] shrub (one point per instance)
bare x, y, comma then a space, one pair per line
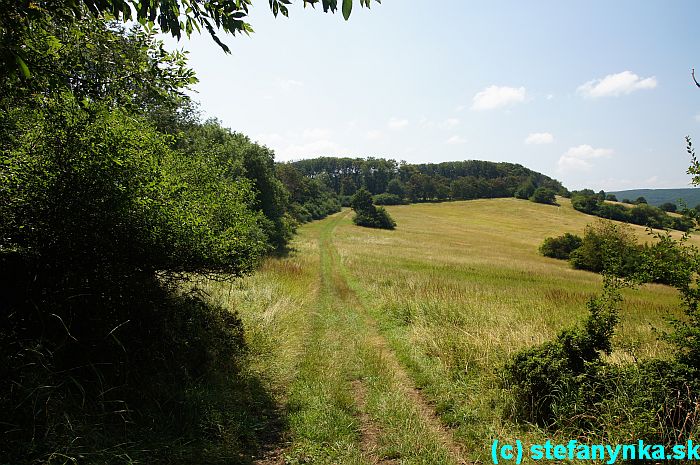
387, 199
366, 214
545, 381
647, 215
560, 247
544, 195
607, 246
669, 207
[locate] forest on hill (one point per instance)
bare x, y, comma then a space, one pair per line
456, 180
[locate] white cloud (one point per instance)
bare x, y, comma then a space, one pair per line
287, 84
579, 158
614, 85
315, 134
316, 148
539, 138
374, 134
550, 96
496, 97
450, 123
396, 123
456, 140
269, 139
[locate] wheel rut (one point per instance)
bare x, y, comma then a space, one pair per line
371, 434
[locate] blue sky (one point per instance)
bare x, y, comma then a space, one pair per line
596, 94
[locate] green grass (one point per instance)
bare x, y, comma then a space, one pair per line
349, 325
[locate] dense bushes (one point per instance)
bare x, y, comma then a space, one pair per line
112, 193
547, 382
366, 214
544, 195
560, 247
387, 199
310, 199
613, 248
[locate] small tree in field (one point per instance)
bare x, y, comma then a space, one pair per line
544, 195
366, 214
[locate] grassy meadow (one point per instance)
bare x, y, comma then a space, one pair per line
384, 346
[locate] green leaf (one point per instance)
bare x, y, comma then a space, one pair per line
347, 9
23, 66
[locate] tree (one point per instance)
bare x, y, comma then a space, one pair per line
669, 207
366, 214
544, 195
640, 200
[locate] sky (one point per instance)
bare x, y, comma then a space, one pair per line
596, 94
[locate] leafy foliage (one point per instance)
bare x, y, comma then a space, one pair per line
589, 202
544, 195
464, 180
560, 247
545, 379
366, 214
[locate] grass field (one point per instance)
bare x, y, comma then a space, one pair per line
384, 346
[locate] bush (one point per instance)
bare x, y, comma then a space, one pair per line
669, 207
609, 247
388, 199
544, 195
366, 214
544, 381
647, 215
560, 247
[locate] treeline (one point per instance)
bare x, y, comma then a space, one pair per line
643, 214
393, 183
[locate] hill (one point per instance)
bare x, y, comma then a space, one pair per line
691, 196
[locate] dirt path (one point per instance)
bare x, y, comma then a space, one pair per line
392, 420
381, 346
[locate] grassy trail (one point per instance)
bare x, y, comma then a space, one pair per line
352, 402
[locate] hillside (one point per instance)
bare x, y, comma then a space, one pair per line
384, 346
656, 197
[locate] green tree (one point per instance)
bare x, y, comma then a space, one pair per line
544, 195
366, 214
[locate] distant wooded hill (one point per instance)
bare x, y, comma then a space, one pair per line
657, 197
458, 180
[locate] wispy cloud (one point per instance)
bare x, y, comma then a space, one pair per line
316, 133
456, 140
397, 123
374, 135
497, 97
614, 85
287, 84
450, 123
579, 158
539, 138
